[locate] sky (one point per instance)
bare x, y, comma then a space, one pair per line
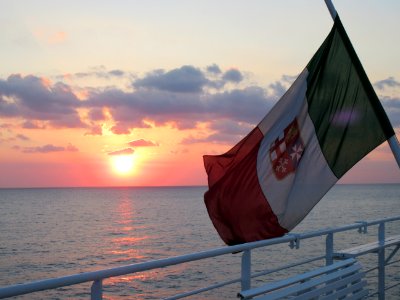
134, 93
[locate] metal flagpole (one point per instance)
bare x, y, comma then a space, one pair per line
331, 9
393, 142
394, 145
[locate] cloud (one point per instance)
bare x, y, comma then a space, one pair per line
126, 151
217, 79
231, 127
223, 131
162, 97
142, 143
233, 75
6, 125
247, 105
214, 69
31, 125
116, 73
35, 98
95, 130
389, 82
215, 138
96, 114
278, 88
182, 97
289, 78
49, 148
392, 108
124, 127
186, 79
71, 148
22, 137
99, 72
131, 110
19, 137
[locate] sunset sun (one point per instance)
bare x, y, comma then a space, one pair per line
123, 164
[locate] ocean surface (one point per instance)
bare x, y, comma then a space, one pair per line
46, 233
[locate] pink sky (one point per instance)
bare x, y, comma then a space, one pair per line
80, 85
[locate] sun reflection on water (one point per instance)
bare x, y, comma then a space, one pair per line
128, 240
126, 235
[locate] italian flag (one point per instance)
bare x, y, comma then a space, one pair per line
327, 121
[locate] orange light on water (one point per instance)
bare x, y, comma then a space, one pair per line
126, 254
129, 240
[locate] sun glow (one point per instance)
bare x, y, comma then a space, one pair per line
123, 164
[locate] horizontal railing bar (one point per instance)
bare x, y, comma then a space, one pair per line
20, 289
378, 221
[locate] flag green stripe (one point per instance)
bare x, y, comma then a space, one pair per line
348, 117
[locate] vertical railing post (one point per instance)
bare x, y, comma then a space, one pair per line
96, 291
381, 262
329, 249
246, 270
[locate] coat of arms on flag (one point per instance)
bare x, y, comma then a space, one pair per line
286, 151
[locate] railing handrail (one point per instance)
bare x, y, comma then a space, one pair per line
52, 283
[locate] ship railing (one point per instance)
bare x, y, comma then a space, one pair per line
96, 277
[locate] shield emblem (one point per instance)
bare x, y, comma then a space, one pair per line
286, 151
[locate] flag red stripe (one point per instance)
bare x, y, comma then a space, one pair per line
235, 202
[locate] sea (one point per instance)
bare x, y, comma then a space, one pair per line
53, 232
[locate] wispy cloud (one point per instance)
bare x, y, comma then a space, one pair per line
221, 131
50, 36
142, 143
49, 148
126, 151
186, 79
388, 82
22, 137
95, 129
99, 72
96, 114
31, 125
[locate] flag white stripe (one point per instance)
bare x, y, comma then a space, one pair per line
293, 197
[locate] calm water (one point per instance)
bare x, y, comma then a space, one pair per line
55, 232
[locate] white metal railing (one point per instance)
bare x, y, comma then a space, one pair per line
96, 277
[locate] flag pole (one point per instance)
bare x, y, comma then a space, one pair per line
394, 146
393, 142
331, 9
